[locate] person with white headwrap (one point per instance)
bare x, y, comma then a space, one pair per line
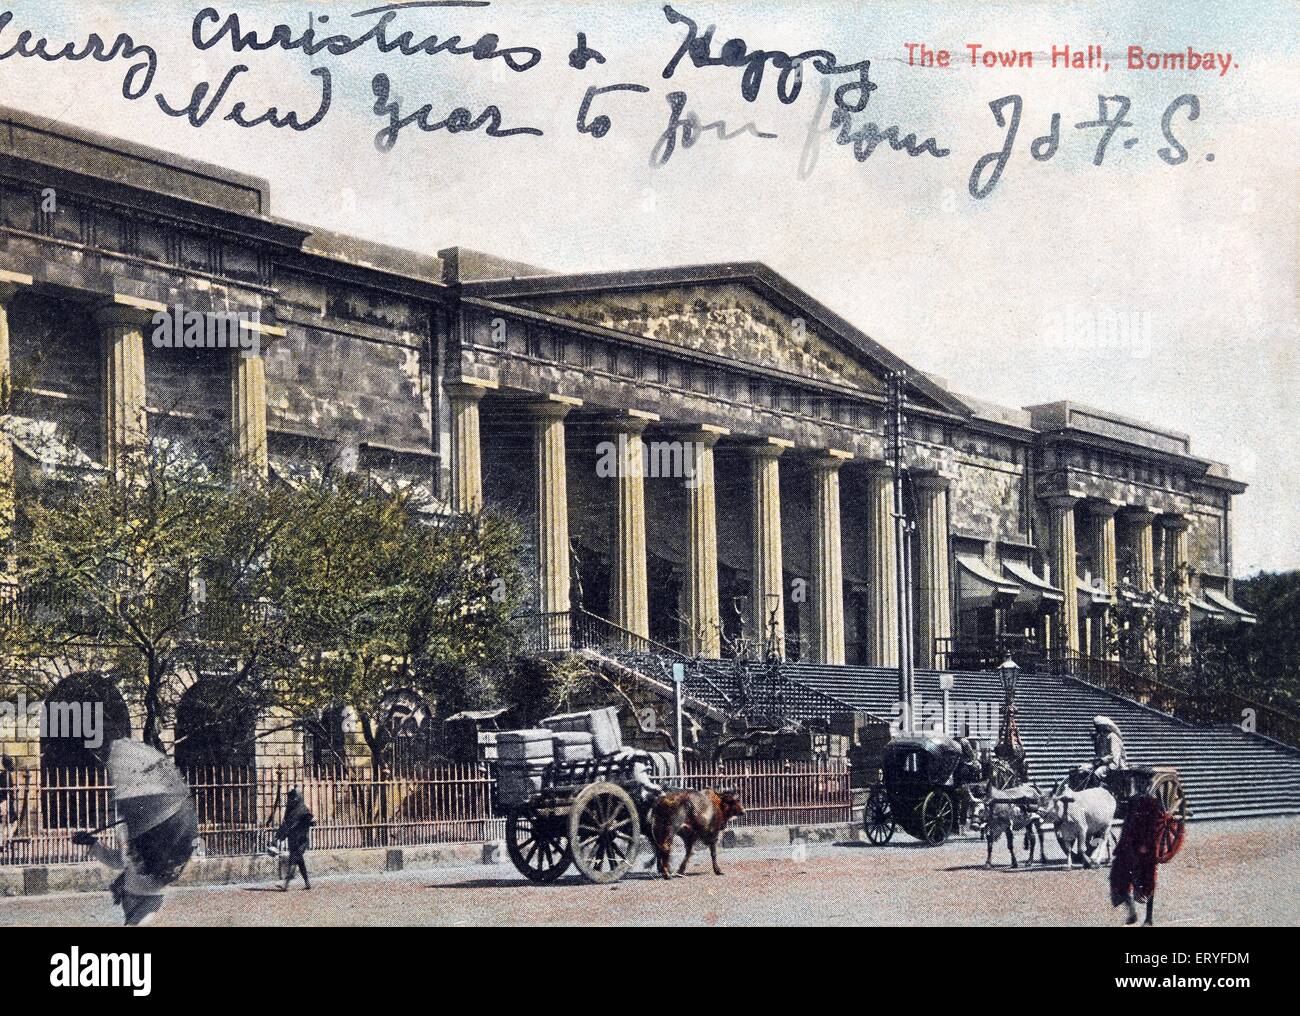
1107, 747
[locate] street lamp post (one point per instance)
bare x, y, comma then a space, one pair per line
1009, 748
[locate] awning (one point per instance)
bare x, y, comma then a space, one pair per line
1209, 609
1221, 600
978, 580
1094, 596
1034, 582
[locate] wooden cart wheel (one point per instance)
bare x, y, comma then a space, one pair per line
538, 848
937, 816
1167, 788
878, 818
604, 832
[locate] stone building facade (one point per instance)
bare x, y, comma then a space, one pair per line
699, 452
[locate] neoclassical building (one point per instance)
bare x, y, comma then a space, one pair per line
700, 453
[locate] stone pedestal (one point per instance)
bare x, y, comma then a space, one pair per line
703, 635
882, 568
827, 560
935, 620
767, 593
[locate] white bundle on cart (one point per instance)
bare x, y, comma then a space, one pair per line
601, 724
522, 756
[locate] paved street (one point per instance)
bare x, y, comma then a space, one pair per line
1236, 873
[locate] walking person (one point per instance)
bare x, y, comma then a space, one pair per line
138, 892
295, 831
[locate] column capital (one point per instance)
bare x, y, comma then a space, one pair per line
706, 434
127, 310
1102, 507
552, 407
630, 421
1174, 522
879, 467
12, 283
468, 388
1062, 502
768, 448
931, 481
1138, 513
829, 458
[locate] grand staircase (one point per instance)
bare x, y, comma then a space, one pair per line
1226, 773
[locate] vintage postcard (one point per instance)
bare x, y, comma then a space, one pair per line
512, 463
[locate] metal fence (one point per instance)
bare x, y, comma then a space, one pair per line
239, 808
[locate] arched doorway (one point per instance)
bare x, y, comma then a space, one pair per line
215, 752
83, 714
214, 726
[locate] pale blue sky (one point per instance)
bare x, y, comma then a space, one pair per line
1199, 259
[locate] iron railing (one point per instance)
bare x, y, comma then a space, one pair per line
1167, 689
239, 808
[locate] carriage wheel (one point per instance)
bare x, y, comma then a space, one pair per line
1167, 788
538, 848
878, 818
938, 817
605, 832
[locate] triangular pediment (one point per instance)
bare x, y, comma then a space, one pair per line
727, 319
743, 313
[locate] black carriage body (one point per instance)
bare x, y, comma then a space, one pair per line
920, 777
913, 766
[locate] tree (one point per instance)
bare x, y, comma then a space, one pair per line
155, 572
375, 592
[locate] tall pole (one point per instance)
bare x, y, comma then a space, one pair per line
903, 558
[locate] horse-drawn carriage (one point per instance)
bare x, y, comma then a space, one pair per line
925, 788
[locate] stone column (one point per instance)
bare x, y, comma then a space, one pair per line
935, 621
827, 559
463, 398
1101, 540
1142, 543
248, 412
10, 283
552, 529
703, 617
121, 330
882, 568
767, 589
1176, 547
1061, 527
629, 592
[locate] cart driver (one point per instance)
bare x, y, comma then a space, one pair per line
1107, 748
